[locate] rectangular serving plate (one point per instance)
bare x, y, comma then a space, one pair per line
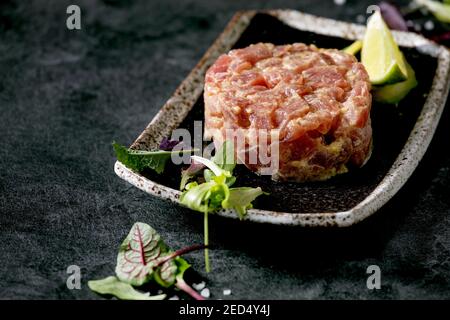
401, 134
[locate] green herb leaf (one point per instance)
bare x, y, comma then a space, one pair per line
440, 10
209, 175
113, 286
207, 196
240, 199
215, 193
224, 157
138, 254
138, 160
196, 197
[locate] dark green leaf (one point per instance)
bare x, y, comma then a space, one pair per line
138, 160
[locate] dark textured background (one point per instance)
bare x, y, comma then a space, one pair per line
65, 95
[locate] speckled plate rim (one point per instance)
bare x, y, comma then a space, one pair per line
178, 106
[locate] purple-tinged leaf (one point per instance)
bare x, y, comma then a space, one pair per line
194, 169
168, 145
392, 16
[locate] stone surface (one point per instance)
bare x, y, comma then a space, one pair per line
65, 95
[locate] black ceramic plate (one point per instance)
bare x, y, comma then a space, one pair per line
401, 134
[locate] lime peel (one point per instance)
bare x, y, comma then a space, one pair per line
354, 48
394, 93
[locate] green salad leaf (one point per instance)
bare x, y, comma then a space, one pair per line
206, 196
215, 193
240, 199
224, 159
113, 286
139, 160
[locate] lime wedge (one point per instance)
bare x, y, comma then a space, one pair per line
354, 48
393, 93
380, 54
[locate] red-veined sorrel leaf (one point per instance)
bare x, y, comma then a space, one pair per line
142, 257
166, 273
138, 254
